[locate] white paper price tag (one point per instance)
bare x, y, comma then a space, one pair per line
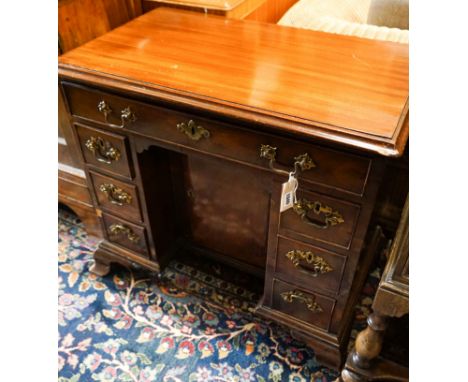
288, 193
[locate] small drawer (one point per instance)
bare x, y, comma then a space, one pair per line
309, 266
339, 170
104, 150
321, 218
117, 197
310, 307
126, 234
104, 108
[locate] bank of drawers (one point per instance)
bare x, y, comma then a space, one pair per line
310, 257
107, 156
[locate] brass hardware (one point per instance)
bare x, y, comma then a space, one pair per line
319, 265
303, 162
104, 108
332, 218
115, 195
103, 151
121, 229
126, 115
192, 130
268, 152
292, 295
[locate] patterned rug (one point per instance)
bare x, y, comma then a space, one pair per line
190, 326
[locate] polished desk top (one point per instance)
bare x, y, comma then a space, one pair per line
338, 88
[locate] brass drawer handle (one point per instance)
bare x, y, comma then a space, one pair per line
192, 130
104, 108
292, 295
126, 115
332, 218
319, 265
115, 194
121, 229
303, 162
103, 151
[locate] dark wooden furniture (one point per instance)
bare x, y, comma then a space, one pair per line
391, 300
188, 126
80, 21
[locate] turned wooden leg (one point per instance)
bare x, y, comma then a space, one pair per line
100, 268
367, 347
369, 341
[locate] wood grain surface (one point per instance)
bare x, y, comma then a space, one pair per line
80, 21
339, 88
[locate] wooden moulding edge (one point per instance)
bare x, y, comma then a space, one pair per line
393, 147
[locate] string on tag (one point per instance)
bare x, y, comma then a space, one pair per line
292, 178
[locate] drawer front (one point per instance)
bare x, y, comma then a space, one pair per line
126, 234
104, 150
93, 105
310, 307
117, 197
73, 189
335, 169
321, 218
309, 266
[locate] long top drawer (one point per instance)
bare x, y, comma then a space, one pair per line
339, 170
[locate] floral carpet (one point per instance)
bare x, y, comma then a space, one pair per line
188, 326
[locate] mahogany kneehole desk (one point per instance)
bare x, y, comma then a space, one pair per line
188, 124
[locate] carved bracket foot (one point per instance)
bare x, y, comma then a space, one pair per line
99, 268
349, 376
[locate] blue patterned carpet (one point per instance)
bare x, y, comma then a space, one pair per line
190, 327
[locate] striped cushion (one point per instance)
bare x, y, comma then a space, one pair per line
330, 16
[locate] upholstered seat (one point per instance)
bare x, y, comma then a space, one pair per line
374, 19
